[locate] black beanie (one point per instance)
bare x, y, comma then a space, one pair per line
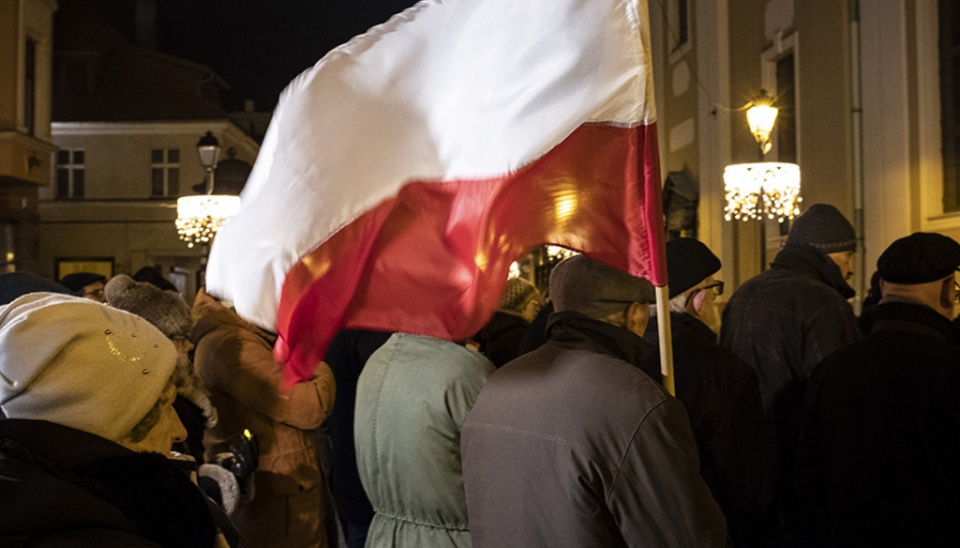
919, 258
825, 228
78, 280
689, 262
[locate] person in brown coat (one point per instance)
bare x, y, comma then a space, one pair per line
235, 361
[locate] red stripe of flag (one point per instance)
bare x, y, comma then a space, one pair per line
434, 259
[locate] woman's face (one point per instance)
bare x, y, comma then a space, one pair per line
166, 432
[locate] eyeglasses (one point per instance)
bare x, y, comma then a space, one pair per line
956, 291
716, 286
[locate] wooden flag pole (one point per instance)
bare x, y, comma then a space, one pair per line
666, 338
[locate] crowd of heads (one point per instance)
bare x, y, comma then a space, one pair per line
114, 371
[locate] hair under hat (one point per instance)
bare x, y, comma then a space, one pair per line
164, 309
689, 262
825, 228
80, 364
584, 285
517, 296
919, 258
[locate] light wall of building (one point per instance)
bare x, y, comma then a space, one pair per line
117, 220
25, 106
733, 53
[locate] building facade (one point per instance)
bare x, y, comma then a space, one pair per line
868, 99
26, 53
127, 120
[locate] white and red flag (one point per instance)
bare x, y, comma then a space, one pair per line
404, 172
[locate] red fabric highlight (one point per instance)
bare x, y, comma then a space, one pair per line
434, 259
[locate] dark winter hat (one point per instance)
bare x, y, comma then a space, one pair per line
164, 309
689, 262
581, 284
919, 258
78, 280
15, 284
825, 228
152, 276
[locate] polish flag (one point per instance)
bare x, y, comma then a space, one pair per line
404, 172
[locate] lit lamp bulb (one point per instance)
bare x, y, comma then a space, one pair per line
761, 117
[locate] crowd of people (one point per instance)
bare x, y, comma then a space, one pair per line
129, 417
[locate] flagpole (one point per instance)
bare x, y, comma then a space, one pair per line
666, 338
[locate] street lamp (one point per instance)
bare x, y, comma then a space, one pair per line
760, 190
199, 217
761, 117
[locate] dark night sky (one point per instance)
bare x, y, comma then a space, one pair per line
258, 46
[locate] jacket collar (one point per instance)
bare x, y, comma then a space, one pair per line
918, 318
58, 445
152, 492
574, 330
682, 325
810, 261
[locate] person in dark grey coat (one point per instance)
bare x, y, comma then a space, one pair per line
719, 391
783, 322
572, 445
879, 456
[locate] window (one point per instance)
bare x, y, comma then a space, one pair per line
787, 116
778, 76
165, 173
950, 101
30, 86
70, 173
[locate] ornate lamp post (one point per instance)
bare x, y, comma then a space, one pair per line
760, 190
199, 217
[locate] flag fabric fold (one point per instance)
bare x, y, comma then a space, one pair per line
404, 172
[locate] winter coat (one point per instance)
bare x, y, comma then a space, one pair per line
412, 398
235, 361
722, 398
500, 338
879, 457
64, 487
572, 445
347, 355
782, 323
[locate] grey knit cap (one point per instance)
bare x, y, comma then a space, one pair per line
164, 309
584, 285
825, 228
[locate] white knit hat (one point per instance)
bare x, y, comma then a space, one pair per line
80, 364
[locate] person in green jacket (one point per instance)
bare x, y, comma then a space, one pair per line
412, 397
